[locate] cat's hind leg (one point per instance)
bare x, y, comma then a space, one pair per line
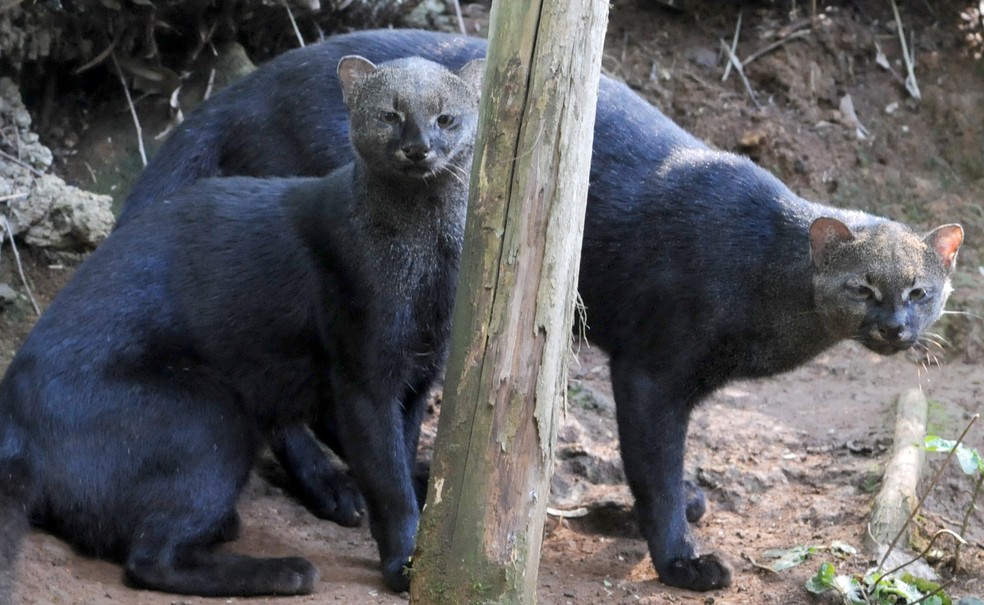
181, 513
155, 482
198, 570
652, 424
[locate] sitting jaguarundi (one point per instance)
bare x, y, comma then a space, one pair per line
222, 316
697, 268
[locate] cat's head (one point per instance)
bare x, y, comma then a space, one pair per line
881, 285
412, 118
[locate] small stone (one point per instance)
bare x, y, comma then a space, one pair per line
7, 295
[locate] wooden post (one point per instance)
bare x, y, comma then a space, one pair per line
482, 526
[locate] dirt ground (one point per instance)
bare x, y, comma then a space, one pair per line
789, 461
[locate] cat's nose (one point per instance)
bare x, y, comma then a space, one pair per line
891, 331
416, 152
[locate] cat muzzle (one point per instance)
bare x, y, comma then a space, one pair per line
887, 341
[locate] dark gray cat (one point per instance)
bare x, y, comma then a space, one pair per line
228, 313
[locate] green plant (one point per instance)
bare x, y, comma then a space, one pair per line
876, 588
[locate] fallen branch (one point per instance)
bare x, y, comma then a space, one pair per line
896, 499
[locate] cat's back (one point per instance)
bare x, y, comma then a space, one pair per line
701, 238
288, 118
193, 253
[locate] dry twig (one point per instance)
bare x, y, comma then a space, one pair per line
21, 163
741, 73
734, 49
457, 12
793, 36
208, 87
966, 521
133, 110
910, 80
20, 267
932, 484
297, 32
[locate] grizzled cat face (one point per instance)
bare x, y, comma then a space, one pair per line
399, 130
882, 285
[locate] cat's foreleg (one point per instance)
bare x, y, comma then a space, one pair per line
696, 502
652, 423
371, 427
327, 491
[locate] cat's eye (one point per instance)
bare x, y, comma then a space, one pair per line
390, 117
444, 120
864, 292
917, 294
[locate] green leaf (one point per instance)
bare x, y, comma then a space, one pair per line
935, 443
896, 587
928, 586
970, 459
823, 580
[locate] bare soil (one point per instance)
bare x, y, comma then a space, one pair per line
789, 461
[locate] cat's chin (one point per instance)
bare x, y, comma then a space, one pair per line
886, 348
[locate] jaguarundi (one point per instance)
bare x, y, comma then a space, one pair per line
221, 316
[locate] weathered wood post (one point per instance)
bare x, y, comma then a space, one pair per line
481, 530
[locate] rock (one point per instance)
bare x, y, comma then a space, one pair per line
13, 112
61, 217
42, 208
7, 295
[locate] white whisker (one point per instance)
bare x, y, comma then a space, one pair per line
967, 313
936, 338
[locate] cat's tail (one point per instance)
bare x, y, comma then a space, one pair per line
16, 485
189, 153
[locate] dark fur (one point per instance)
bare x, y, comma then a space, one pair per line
696, 267
223, 316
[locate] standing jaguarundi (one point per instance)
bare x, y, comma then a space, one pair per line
697, 268
220, 317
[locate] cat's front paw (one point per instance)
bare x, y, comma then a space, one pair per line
696, 502
338, 500
705, 572
396, 573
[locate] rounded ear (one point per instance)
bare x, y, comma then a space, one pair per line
472, 73
946, 240
825, 231
352, 70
